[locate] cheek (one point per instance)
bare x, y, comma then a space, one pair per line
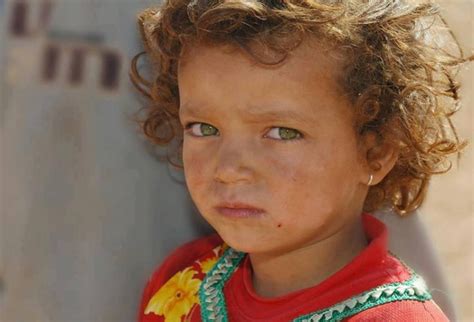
307, 186
291, 180
297, 170
194, 168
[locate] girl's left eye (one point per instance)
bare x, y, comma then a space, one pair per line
283, 133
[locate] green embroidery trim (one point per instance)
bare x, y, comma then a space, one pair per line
211, 295
213, 307
412, 289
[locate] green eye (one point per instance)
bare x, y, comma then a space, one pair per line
201, 129
284, 133
287, 134
207, 129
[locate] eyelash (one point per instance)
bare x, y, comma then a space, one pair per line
187, 128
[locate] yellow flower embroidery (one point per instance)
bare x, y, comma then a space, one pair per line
208, 264
176, 297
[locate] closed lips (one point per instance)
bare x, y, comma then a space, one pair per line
238, 205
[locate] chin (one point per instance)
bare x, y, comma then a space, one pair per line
246, 244
252, 244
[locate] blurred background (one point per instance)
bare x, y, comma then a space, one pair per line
448, 211
87, 210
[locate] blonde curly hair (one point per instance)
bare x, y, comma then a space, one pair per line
400, 79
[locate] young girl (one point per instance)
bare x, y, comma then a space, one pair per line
297, 119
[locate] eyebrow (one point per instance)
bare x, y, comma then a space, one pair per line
276, 115
256, 114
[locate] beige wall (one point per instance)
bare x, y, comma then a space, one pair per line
449, 206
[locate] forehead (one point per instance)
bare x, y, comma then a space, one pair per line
226, 75
311, 55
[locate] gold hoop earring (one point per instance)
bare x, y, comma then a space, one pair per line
371, 177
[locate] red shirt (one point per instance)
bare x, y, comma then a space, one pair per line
374, 286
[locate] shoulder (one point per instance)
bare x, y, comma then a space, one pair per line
403, 296
190, 262
398, 311
408, 299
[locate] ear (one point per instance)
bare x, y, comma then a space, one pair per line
379, 156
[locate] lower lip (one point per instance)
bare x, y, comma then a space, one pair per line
239, 212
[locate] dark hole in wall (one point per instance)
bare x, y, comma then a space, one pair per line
50, 62
18, 20
110, 70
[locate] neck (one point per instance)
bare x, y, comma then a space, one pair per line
279, 274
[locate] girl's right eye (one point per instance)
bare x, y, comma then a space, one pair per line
201, 129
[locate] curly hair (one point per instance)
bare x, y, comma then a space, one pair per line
400, 80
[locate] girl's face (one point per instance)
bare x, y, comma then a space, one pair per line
277, 139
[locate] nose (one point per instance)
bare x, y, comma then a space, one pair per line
234, 163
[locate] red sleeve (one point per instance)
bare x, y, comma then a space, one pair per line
402, 311
179, 259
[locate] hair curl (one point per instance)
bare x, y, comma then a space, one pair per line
400, 80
